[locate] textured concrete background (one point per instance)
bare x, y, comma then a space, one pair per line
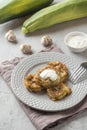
12, 116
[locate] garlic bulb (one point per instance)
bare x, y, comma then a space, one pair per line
26, 49
46, 40
10, 36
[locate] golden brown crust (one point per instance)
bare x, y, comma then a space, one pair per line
31, 85
59, 92
61, 71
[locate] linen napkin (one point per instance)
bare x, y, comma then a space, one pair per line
41, 120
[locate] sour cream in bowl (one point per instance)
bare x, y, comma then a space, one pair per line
76, 41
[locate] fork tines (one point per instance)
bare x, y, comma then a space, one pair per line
78, 75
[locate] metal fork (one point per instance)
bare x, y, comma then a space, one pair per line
79, 74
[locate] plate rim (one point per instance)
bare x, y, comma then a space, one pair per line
40, 109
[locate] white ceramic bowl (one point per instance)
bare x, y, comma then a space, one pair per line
75, 48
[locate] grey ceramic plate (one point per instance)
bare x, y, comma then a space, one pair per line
41, 101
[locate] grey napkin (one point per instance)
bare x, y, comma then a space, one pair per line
41, 120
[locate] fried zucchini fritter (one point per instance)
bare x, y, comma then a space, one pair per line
31, 84
60, 69
58, 92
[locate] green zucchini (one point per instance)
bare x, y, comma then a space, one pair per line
10, 9
58, 13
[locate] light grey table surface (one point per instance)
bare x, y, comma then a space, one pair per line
12, 116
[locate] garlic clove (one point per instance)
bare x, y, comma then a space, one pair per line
10, 36
9, 32
46, 40
26, 49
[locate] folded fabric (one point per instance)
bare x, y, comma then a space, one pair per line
41, 120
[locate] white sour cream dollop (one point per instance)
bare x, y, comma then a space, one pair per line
49, 73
